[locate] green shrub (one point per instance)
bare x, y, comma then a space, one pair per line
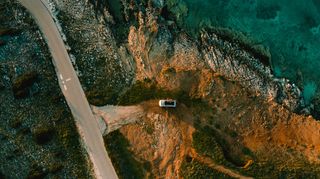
10, 31
231, 133
2, 175
15, 123
2, 87
42, 134
125, 164
55, 167
194, 169
36, 172
147, 90
247, 151
142, 91
101, 97
21, 83
205, 144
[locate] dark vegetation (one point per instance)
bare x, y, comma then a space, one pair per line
191, 169
36, 172
10, 31
21, 84
122, 19
261, 170
2, 42
42, 134
147, 90
102, 96
210, 143
206, 144
127, 167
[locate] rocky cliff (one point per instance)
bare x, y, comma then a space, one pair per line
232, 113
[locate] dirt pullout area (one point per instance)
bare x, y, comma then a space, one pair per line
112, 117
161, 138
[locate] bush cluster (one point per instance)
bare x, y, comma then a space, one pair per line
125, 164
194, 169
21, 84
42, 134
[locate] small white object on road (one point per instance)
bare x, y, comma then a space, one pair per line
61, 77
68, 79
65, 87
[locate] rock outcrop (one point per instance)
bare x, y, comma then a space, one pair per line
235, 64
154, 49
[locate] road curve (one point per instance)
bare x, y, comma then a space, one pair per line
72, 90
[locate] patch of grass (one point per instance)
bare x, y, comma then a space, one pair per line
125, 164
206, 144
246, 151
194, 169
261, 170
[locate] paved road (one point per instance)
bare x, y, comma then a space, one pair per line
72, 90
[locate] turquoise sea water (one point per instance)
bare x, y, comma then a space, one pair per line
290, 28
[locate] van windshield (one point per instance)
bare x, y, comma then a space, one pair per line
171, 103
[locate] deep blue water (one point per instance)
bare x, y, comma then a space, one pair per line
289, 28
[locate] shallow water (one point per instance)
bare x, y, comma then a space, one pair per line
290, 28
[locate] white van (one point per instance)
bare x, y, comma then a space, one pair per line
167, 103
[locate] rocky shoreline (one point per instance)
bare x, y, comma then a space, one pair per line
143, 42
224, 57
238, 65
